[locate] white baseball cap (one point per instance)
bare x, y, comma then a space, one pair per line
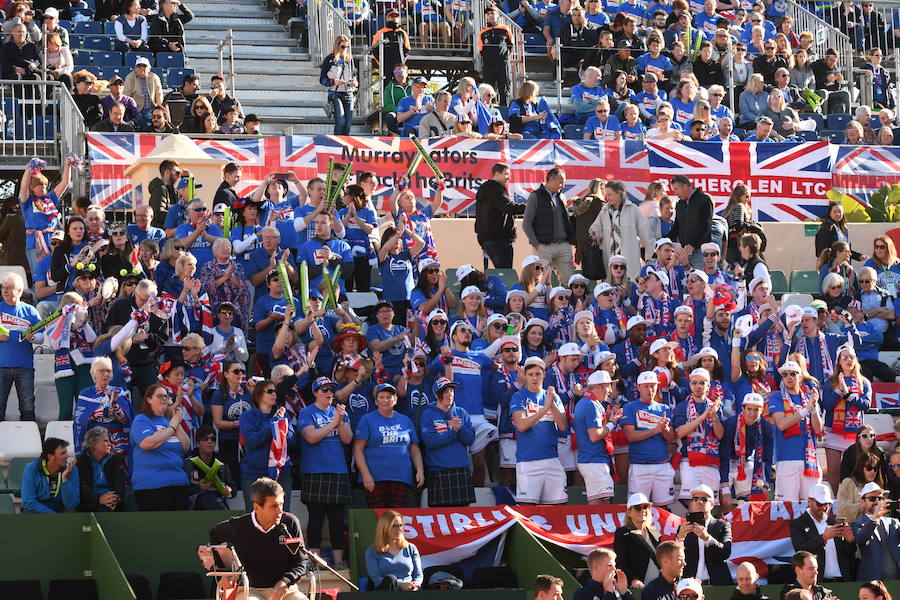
496, 317
508, 340
659, 275
535, 321
599, 377
560, 290
604, 356
427, 262
703, 489
637, 499
648, 377
869, 488
575, 278
534, 258
698, 273
821, 493
845, 348
662, 242
789, 366
700, 372
635, 321
583, 314
758, 280
618, 258
569, 349
689, 583
513, 293
462, 271
710, 247
753, 399
707, 351
535, 360
472, 290
809, 311
602, 287
660, 343
436, 314
684, 309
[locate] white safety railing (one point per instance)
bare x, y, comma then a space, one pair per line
824, 36
516, 57
227, 44
325, 24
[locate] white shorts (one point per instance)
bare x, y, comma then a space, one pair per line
568, 456
790, 483
597, 480
657, 482
485, 433
507, 453
541, 482
691, 477
835, 441
738, 489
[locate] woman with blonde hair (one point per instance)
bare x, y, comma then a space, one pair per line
636, 541
531, 115
392, 562
664, 128
464, 100
650, 205
342, 84
885, 262
59, 60
703, 113
737, 213
847, 397
194, 122
534, 279
72, 364
752, 101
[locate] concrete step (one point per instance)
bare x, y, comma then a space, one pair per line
222, 25
246, 39
253, 86
248, 53
292, 97
231, 19
272, 68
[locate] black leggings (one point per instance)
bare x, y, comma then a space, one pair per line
317, 513
173, 497
361, 280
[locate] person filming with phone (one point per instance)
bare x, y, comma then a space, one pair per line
829, 539
707, 540
273, 565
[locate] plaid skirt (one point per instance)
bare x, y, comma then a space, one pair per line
450, 487
387, 494
326, 488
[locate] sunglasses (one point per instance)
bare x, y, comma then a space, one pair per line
700, 499
237, 371
272, 391
835, 287
789, 374
130, 283
578, 285
510, 350
894, 465
208, 438
199, 209
538, 268
752, 359
182, 248
117, 233
881, 246
710, 254
227, 312
867, 281
641, 507
617, 267
688, 596
866, 436
497, 326
437, 322
606, 294
432, 271
869, 468
874, 498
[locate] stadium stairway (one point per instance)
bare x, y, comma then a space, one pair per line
274, 76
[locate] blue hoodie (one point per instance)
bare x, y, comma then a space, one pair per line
256, 434
446, 448
36, 491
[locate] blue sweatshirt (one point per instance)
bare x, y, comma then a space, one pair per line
36, 491
256, 433
406, 565
446, 448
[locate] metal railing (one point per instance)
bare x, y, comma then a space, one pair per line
227, 43
325, 24
516, 57
824, 36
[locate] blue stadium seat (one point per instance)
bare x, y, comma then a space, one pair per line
819, 119
896, 135
131, 58
809, 136
837, 121
87, 13
573, 131
99, 43
535, 43
109, 28
82, 58
504, 112
107, 73
92, 4
176, 76
67, 25
741, 133
108, 59
835, 136
93, 70
161, 73
11, 110
88, 27
38, 128
170, 60
76, 41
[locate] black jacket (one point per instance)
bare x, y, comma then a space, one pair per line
157, 331
633, 552
757, 595
542, 223
165, 30
659, 589
90, 107
106, 125
716, 552
827, 235
162, 196
805, 536
25, 56
593, 589
266, 560
116, 475
495, 212
225, 195
693, 220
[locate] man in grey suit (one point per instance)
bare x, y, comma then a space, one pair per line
877, 537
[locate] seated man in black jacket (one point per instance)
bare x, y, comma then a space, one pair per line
19, 57
273, 567
167, 27
606, 582
88, 103
102, 491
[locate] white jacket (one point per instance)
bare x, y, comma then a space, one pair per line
633, 227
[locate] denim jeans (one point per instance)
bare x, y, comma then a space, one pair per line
23, 377
500, 253
342, 103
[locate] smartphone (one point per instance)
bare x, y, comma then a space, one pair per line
697, 518
841, 521
893, 505
256, 380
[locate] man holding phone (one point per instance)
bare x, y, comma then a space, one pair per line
829, 540
877, 536
707, 540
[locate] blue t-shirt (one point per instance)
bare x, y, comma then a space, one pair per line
469, 370
265, 338
409, 102
633, 132
285, 224
232, 408
643, 416
137, 235
42, 273
637, 10
259, 261
589, 95
313, 252
392, 358
239, 233
793, 447
326, 455
601, 19
555, 20
589, 415
648, 101
397, 279
201, 248
360, 244
387, 446
540, 441
684, 112
36, 219
17, 352
603, 131
361, 402
660, 65
174, 216
157, 468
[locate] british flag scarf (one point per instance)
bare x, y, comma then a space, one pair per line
702, 444
740, 445
849, 408
804, 427
278, 449
827, 363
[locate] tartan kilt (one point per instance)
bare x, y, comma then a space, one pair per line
450, 487
325, 488
387, 494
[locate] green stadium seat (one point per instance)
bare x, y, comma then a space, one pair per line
779, 283
7, 505
16, 474
805, 282
509, 276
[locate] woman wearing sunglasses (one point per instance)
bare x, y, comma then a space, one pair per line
229, 402
207, 496
117, 260
749, 375
534, 278
868, 469
865, 442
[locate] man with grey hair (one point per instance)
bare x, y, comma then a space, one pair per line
16, 353
148, 339
263, 260
547, 225
273, 565
763, 131
142, 229
199, 233
441, 120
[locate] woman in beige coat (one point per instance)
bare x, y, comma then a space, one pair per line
620, 228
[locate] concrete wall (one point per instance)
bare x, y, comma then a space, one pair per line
790, 246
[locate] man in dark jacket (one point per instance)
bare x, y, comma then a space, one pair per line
231, 176
670, 558
606, 582
693, 219
713, 538
495, 224
19, 57
167, 28
116, 121
88, 103
162, 191
806, 575
547, 224
815, 532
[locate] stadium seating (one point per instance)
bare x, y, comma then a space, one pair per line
170, 60
107, 59
61, 430
779, 283
140, 585
805, 282
454, 570
87, 13
88, 27
510, 277
835, 136
7, 507
489, 578
18, 439
73, 589
131, 58
798, 299
180, 585
83, 58
573, 131
99, 43
837, 121
68, 26
109, 28
16, 474
176, 75
108, 73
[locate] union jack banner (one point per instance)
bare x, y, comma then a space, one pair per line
787, 180
110, 155
887, 395
859, 171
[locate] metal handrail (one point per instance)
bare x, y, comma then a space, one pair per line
824, 36
516, 59
325, 24
227, 42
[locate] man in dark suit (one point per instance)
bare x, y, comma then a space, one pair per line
693, 219
877, 536
806, 575
816, 533
707, 546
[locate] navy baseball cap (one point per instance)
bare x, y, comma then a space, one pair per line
441, 384
381, 387
323, 382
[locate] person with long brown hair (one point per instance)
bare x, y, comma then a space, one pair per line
846, 398
392, 562
737, 213
874, 590
866, 470
886, 264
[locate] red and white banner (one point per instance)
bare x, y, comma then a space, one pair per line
887, 395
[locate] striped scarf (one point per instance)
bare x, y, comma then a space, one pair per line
853, 405
827, 363
702, 444
810, 460
278, 450
740, 445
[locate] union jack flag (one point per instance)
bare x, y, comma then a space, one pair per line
859, 171
887, 395
787, 180
110, 155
